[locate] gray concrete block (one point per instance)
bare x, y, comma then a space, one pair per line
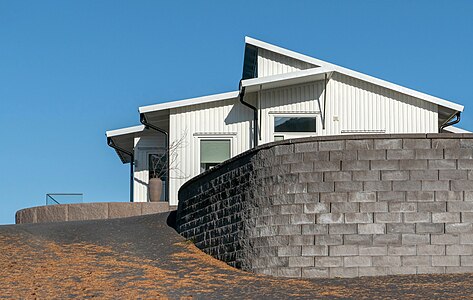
371, 154
299, 240
416, 261
394, 175
323, 166
330, 218
87, 211
51, 213
283, 149
424, 174
302, 167
392, 196
432, 206
313, 229
386, 239
462, 185
458, 153
331, 145
310, 177
337, 176
359, 144
445, 261
454, 270
391, 217
362, 197
400, 228
328, 239
466, 260
343, 155
344, 207
334, 197
374, 206
351, 218
445, 143
289, 251
445, 217
413, 164
291, 158
295, 188
358, 239
468, 196
430, 250
343, 272
466, 143
343, 250
467, 217
387, 144
453, 174
303, 219
314, 250
448, 196
400, 154
371, 228
355, 165
310, 272
417, 217
429, 228
328, 262
402, 207
402, 250
348, 186
316, 156
459, 228
316, 208
289, 229
416, 144
466, 238
444, 239
386, 261
366, 175
374, 186
420, 196
415, 239
357, 261
459, 249
291, 209
289, 272
318, 187
373, 271
306, 198
429, 154
442, 164
342, 228
301, 261
384, 164
306, 147
411, 185
435, 185
460, 206
373, 250
430, 270
404, 270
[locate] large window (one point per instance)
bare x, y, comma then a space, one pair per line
294, 124
213, 152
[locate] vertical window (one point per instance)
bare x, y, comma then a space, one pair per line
213, 152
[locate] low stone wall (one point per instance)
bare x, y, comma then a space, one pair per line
341, 206
89, 211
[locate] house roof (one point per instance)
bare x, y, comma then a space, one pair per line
439, 101
124, 138
454, 129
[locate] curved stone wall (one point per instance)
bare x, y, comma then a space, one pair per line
341, 206
89, 211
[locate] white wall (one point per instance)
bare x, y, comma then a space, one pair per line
270, 63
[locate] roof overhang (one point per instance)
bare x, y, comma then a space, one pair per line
124, 138
355, 74
281, 80
454, 129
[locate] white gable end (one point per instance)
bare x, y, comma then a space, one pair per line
271, 63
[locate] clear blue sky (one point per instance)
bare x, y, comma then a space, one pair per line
69, 70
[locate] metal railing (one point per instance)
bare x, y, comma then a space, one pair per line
63, 198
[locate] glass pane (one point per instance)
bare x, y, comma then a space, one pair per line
278, 138
214, 151
294, 124
157, 166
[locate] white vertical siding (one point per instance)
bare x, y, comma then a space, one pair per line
270, 63
222, 119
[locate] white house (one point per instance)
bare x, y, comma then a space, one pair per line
282, 94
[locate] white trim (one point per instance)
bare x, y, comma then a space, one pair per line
355, 74
187, 102
230, 138
126, 130
454, 129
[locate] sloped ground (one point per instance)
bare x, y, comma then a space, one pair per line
143, 257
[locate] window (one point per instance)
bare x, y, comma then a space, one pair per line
157, 166
278, 138
294, 124
213, 152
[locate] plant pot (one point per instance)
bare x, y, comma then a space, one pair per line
155, 189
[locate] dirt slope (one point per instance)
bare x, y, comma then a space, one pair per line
143, 257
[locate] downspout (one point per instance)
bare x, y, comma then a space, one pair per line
166, 134
132, 162
325, 102
458, 115
255, 113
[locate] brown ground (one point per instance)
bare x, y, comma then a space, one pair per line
142, 257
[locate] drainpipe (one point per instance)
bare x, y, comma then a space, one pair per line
132, 162
458, 115
166, 134
255, 113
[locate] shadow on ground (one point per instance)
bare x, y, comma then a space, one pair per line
143, 257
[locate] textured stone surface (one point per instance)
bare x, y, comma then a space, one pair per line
347, 207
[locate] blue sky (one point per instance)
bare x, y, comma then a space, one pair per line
69, 70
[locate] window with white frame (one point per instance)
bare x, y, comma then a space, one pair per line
213, 152
294, 124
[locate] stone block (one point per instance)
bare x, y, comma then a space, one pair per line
430, 250
316, 156
400, 228
435, 185
448, 196
51, 213
404, 270
318, 187
402, 207
371, 228
442, 164
289, 229
328, 239
358, 239
453, 175
359, 144
466, 238
330, 218
445, 261
424, 174
432, 206
122, 210
374, 206
331, 145
343, 250
345, 207
420, 196
466, 261
337, 176
362, 197
467, 217
88, 211
445, 217
373, 250
391, 217
387, 144
302, 167
411, 185
289, 251
468, 196
416, 144
303, 219
343, 272
27, 215
466, 143
413, 164
310, 272
357, 261
385, 165
289, 272
333, 197
445, 143
464, 269
459, 249
429, 154
429, 228
444, 239
300, 240
373, 271
348, 186
328, 262
402, 250
462, 185
394, 175
314, 250
355, 165
386, 239
342, 228
291, 158
430, 270
295, 261
283, 149
366, 175
351, 218
400, 154
458, 153
291, 209
313, 229
410, 261
392, 196
459, 228
306, 198
460, 206
371, 154
323, 166
343, 155
306, 147
316, 208
375, 186
415, 239
386, 261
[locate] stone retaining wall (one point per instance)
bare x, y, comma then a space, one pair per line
88, 211
342, 206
